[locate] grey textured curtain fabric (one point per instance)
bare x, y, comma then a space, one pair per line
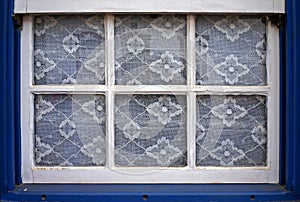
150, 49
69, 50
150, 130
70, 130
231, 50
231, 130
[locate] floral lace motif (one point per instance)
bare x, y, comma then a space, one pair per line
231, 131
232, 27
42, 24
69, 130
42, 64
227, 153
168, 25
150, 49
164, 109
150, 130
163, 152
229, 111
135, 45
69, 49
230, 50
166, 66
259, 135
231, 69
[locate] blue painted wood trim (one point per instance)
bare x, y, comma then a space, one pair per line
292, 96
151, 193
282, 159
10, 105
3, 10
3, 100
9, 99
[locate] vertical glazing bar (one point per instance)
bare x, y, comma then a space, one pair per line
273, 101
191, 55
191, 129
191, 100
109, 47
27, 101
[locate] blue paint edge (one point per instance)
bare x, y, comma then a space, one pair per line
10, 179
3, 36
9, 99
292, 98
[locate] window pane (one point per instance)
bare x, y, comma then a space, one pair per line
150, 49
150, 130
69, 49
230, 50
231, 130
70, 130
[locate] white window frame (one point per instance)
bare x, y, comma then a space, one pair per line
110, 173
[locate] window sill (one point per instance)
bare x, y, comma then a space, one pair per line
153, 192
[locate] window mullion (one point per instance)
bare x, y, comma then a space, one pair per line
250, 90
68, 89
27, 109
161, 89
110, 78
191, 55
109, 48
191, 99
273, 74
191, 129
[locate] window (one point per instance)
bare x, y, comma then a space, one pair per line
112, 98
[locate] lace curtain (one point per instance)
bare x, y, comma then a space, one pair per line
231, 130
150, 129
70, 130
69, 50
231, 50
150, 49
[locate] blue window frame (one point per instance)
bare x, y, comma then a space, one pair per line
12, 189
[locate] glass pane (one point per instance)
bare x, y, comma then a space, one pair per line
150, 130
150, 49
70, 130
69, 49
230, 50
231, 130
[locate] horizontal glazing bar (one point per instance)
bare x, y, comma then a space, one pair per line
79, 89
